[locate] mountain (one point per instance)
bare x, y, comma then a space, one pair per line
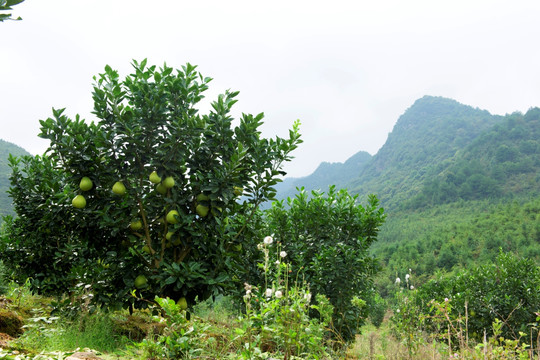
426, 136
326, 174
458, 185
7, 148
504, 161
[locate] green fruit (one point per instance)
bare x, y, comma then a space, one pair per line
155, 178
201, 210
79, 201
136, 225
168, 182
182, 303
238, 190
147, 249
171, 217
119, 188
216, 211
202, 197
140, 281
161, 189
169, 235
86, 184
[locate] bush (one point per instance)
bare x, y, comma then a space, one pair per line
506, 290
327, 237
143, 199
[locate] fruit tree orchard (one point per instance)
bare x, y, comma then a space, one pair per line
146, 198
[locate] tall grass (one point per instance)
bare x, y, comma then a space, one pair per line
96, 331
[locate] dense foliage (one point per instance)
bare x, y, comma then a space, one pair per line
6, 148
326, 237
455, 236
338, 174
430, 132
141, 200
507, 289
503, 161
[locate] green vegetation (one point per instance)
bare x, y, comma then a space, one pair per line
155, 209
503, 161
140, 214
486, 312
456, 235
427, 135
6, 149
337, 174
326, 238
117, 231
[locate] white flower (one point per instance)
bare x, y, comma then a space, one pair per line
446, 300
279, 294
248, 292
268, 293
412, 287
397, 311
268, 240
260, 246
407, 277
247, 286
277, 262
283, 254
398, 281
307, 297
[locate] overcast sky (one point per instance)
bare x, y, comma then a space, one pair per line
346, 69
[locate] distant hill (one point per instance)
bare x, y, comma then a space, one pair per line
504, 161
457, 183
7, 148
427, 135
326, 174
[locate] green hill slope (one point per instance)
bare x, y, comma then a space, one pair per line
7, 148
504, 161
457, 183
456, 235
326, 174
429, 133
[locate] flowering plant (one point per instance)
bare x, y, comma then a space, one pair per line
278, 311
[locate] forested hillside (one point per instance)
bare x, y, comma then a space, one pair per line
7, 148
429, 133
326, 174
458, 185
457, 235
503, 161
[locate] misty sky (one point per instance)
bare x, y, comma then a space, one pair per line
346, 69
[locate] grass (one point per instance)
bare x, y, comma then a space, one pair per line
217, 332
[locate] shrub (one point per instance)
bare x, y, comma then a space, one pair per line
507, 290
141, 200
327, 237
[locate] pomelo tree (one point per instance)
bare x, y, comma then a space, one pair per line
148, 197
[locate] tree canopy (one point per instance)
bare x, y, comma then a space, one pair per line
145, 198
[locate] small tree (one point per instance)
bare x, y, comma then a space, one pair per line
142, 199
327, 239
